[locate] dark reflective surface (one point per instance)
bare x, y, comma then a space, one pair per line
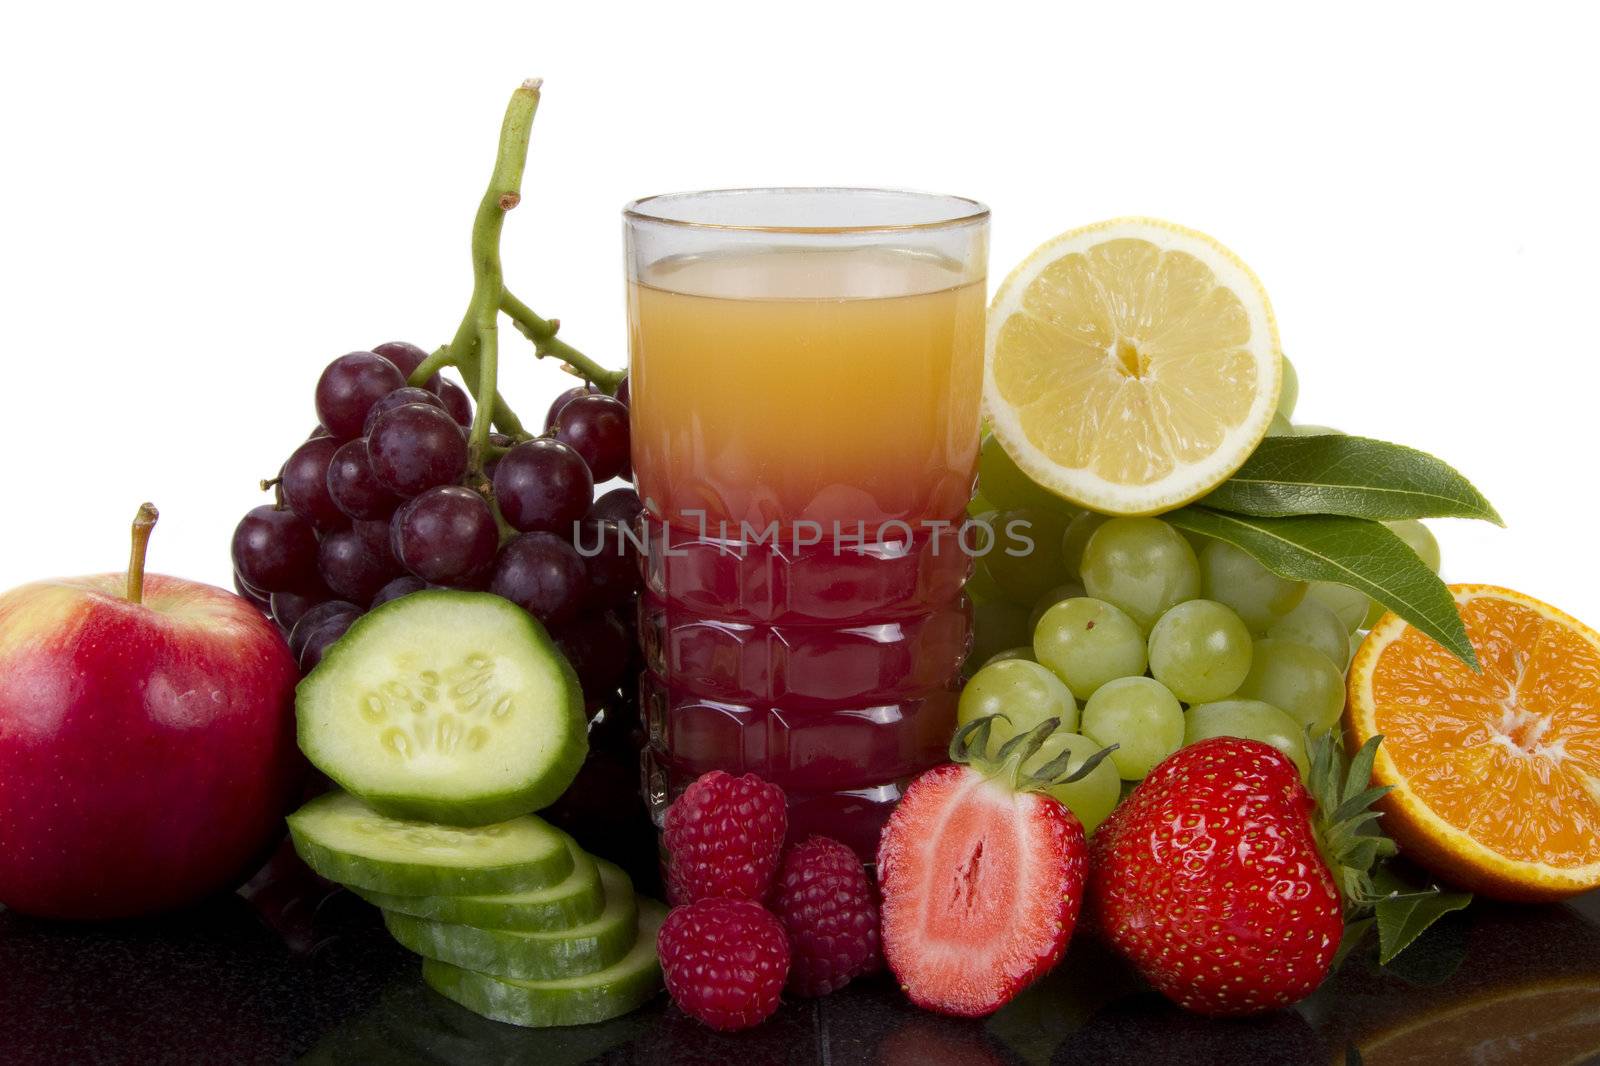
296, 972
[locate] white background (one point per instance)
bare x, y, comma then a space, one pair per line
200, 206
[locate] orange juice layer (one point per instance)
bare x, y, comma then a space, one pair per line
790, 385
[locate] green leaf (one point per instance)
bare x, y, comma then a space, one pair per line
1354, 933
1354, 476
1404, 913
1357, 552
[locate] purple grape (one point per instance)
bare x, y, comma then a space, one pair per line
399, 398
416, 447
350, 568
350, 386
314, 618
600, 650
375, 535
305, 485
543, 485
273, 550
320, 638
612, 562
407, 357
618, 505
289, 607
445, 535
561, 401
255, 597
624, 394
597, 429
320, 431
354, 488
403, 585
543, 574
456, 401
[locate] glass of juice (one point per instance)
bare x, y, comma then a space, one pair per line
805, 373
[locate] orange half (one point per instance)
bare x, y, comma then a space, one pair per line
1496, 775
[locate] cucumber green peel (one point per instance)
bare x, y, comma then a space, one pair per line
527, 956
446, 706
624, 986
574, 901
347, 841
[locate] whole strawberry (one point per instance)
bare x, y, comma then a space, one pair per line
982, 875
724, 837
826, 905
1210, 880
724, 961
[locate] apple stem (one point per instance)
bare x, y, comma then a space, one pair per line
143, 523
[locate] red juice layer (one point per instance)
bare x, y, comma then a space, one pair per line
803, 666
801, 750
839, 582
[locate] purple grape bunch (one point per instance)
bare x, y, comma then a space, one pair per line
376, 504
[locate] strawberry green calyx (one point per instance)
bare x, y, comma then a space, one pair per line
970, 747
1345, 824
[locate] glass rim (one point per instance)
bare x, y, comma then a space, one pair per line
967, 211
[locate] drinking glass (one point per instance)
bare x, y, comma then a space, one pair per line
805, 373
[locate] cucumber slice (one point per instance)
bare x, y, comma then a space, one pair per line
445, 706
344, 840
625, 985
575, 901
530, 956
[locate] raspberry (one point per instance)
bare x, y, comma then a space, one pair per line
724, 961
826, 905
724, 837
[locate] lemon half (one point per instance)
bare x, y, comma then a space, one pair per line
1133, 365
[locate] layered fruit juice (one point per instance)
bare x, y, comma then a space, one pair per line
805, 432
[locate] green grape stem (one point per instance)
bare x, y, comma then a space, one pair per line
474, 350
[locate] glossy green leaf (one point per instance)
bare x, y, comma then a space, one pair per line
1351, 551
1405, 912
1354, 476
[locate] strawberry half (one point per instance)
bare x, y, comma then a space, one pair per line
981, 875
1211, 878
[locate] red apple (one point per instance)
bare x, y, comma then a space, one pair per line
147, 747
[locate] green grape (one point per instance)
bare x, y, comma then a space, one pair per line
1026, 559
1420, 539
1313, 624
1297, 679
1142, 565
1311, 429
1201, 651
1003, 482
1356, 640
1079, 530
1024, 692
996, 626
1347, 605
1231, 576
1280, 427
1071, 590
1289, 395
981, 587
1197, 541
1250, 719
1138, 715
1088, 642
978, 505
1093, 797
1021, 651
